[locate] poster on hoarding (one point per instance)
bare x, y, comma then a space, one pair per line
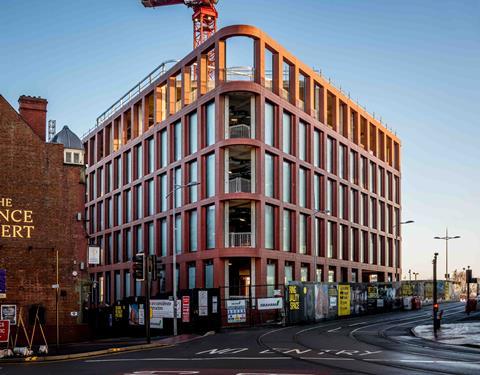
202, 302
273, 303
343, 300
3, 283
156, 321
236, 311
321, 301
9, 312
4, 330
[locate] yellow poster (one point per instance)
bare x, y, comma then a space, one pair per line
343, 300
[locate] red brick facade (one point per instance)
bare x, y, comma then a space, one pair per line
48, 193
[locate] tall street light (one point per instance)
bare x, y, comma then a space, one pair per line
174, 251
397, 237
315, 247
446, 239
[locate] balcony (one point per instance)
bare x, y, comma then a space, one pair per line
240, 115
240, 239
239, 185
239, 131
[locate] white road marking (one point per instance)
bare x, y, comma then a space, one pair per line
421, 361
328, 358
335, 329
185, 359
357, 324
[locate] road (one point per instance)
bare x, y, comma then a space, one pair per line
375, 344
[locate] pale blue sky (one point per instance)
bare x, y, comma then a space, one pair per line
415, 63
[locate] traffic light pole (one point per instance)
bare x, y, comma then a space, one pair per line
148, 281
436, 323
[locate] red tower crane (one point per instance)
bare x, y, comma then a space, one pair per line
204, 16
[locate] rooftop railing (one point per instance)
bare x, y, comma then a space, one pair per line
132, 94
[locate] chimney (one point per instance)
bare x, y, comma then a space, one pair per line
34, 112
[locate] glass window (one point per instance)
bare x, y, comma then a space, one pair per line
286, 231
127, 285
150, 239
163, 192
128, 206
373, 177
210, 227
341, 242
118, 209
342, 200
128, 243
139, 201
269, 124
177, 142
287, 131
119, 247
269, 175
151, 155
316, 148
330, 155
151, 197
139, 239
364, 172
191, 276
271, 276
302, 187
330, 234
287, 181
372, 248
330, 197
117, 286
178, 234
316, 192
288, 272
163, 235
177, 182
364, 214
164, 149
193, 231
193, 190
193, 132
210, 123
353, 167
342, 172
373, 212
139, 157
210, 174
302, 141
209, 274
303, 234
286, 81
269, 226
303, 273
128, 167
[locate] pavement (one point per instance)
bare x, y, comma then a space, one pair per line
465, 333
372, 344
101, 347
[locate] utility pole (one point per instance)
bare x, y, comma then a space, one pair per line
148, 281
436, 322
446, 239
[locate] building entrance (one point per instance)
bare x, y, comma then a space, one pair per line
239, 277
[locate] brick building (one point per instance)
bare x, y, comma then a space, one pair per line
41, 192
297, 182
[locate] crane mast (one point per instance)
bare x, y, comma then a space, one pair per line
204, 16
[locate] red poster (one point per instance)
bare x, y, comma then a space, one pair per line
186, 309
4, 330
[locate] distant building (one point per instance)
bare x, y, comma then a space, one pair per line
297, 182
42, 192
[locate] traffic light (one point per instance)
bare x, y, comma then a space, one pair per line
139, 267
157, 267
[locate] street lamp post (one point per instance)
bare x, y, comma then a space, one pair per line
174, 251
415, 274
314, 213
446, 239
397, 237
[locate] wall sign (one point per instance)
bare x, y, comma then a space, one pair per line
9, 312
343, 300
269, 303
14, 222
3, 283
202, 303
236, 311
